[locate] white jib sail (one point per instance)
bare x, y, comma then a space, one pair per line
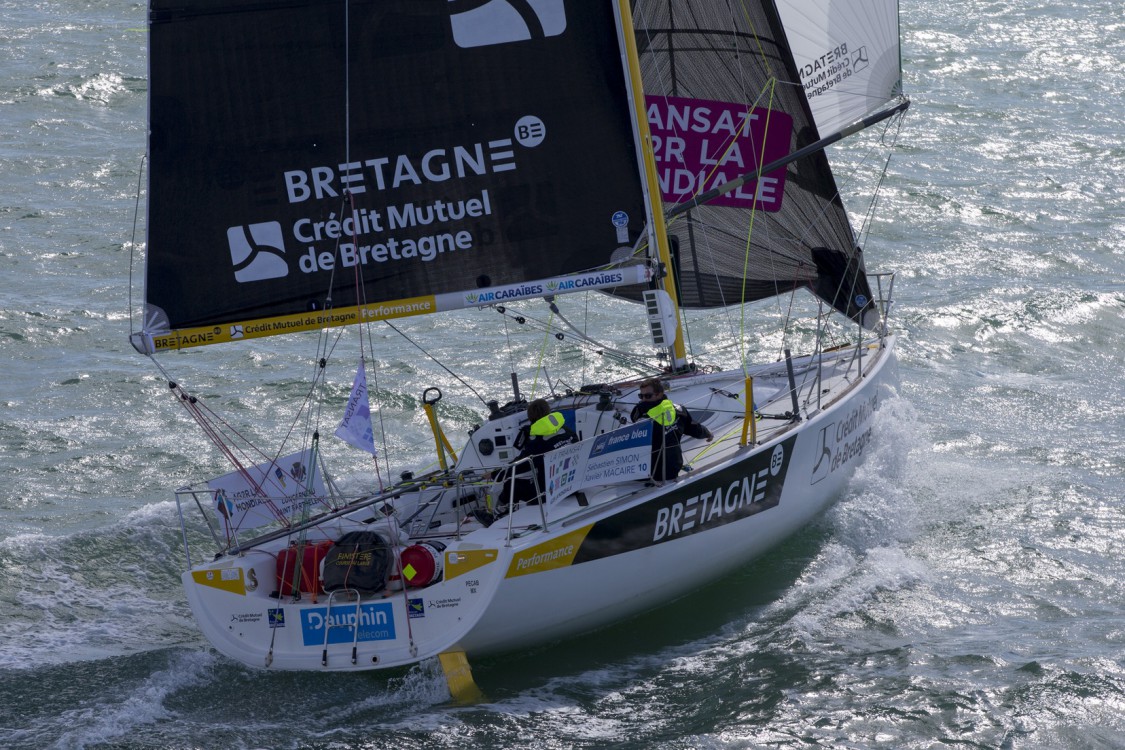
847, 53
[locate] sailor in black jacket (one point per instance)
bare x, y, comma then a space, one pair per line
546, 430
672, 422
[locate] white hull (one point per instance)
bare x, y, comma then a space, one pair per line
632, 548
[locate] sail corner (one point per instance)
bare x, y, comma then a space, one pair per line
155, 324
143, 342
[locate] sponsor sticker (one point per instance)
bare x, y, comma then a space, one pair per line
245, 618
620, 221
257, 252
229, 580
505, 21
376, 622
556, 553
458, 563
447, 603
841, 442
701, 144
749, 487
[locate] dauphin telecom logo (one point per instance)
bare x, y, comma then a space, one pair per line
257, 252
482, 24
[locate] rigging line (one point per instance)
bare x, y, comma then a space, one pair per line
704, 227
585, 327
637, 363
220, 437
361, 302
787, 317
822, 216
865, 224
366, 331
789, 297
347, 84
750, 231
729, 144
308, 401
357, 278
436, 361
208, 424
685, 319
710, 33
871, 209
347, 200
379, 411
879, 145
542, 353
133, 241
217, 430
314, 417
645, 26
770, 84
587, 341
511, 351
757, 40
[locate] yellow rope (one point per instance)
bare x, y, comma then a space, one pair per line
757, 39
750, 230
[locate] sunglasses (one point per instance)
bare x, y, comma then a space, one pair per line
646, 395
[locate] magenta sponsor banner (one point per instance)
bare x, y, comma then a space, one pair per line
701, 144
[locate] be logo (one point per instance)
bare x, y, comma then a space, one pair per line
481, 24
257, 252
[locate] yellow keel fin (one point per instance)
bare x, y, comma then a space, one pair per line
459, 677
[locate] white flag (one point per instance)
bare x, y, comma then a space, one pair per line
355, 428
267, 492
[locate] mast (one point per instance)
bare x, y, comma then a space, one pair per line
658, 230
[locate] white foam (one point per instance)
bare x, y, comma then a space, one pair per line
873, 527
65, 603
111, 717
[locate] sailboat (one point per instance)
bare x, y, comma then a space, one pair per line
319, 164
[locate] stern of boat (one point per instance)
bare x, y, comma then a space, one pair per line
237, 605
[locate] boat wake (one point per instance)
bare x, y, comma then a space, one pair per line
94, 594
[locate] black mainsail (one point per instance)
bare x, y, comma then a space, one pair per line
296, 144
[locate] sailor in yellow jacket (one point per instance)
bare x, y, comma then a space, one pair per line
546, 430
672, 422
